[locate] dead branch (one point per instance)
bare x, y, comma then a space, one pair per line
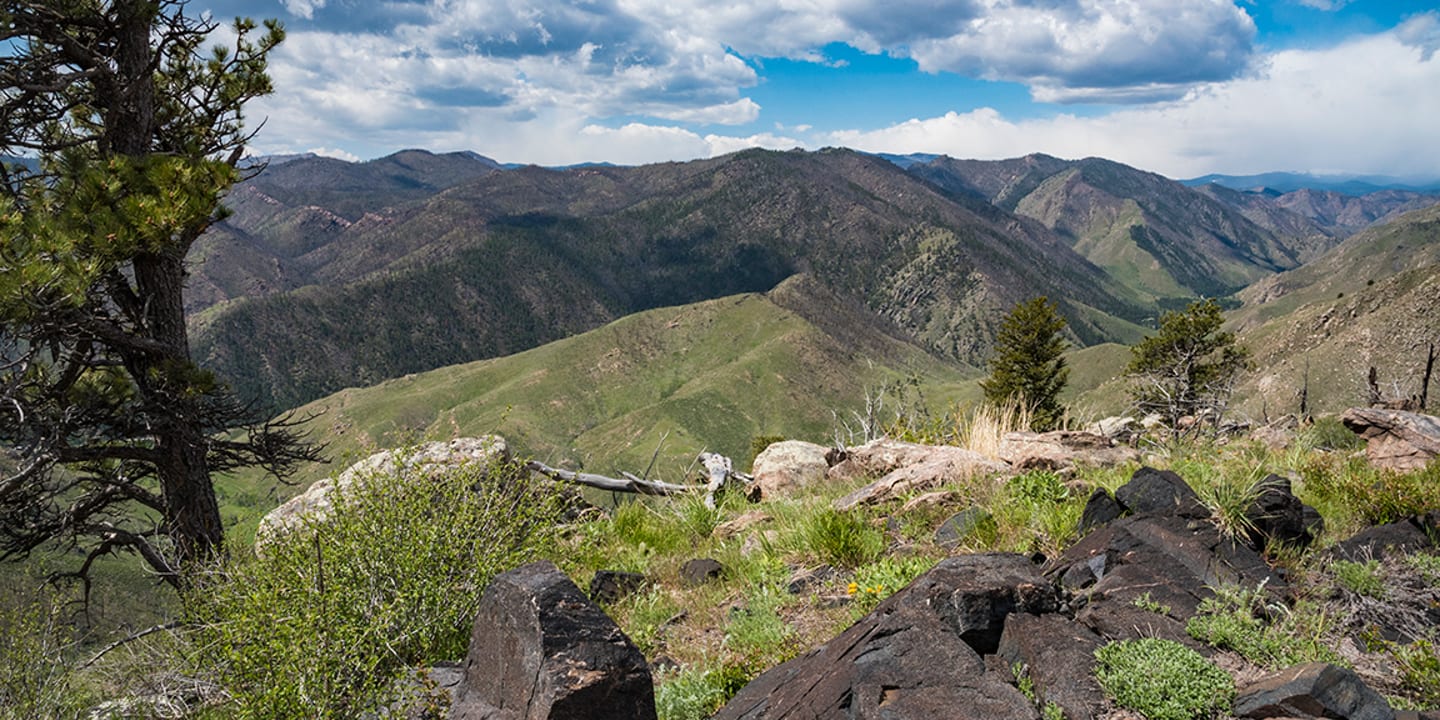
630, 483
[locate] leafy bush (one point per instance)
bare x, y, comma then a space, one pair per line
1351, 485
1162, 679
1328, 433
1266, 633
321, 623
36, 680
696, 694
842, 538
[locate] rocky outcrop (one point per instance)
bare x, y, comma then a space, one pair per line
787, 466
902, 467
422, 462
1395, 440
1062, 450
916, 656
1313, 690
539, 650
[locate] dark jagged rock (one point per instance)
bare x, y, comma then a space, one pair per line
1169, 559
1059, 656
1277, 515
1313, 690
1404, 536
700, 571
611, 586
540, 650
1101, 508
1161, 492
917, 655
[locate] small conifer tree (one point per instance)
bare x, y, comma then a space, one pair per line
1028, 367
1188, 368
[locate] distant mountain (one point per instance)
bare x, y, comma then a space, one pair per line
1285, 182
515, 259
1161, 239
300, 204
1374, 300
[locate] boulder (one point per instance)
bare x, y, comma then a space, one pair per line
963, 524
1062, 450
1100, 508
1313, 690
611, 586
903, 467
700, 571
1113, 427
787, 466
540, 650
917, 655
1161, 492
1394, 439
1059, 656
1404, 536
423, 462
1277, 515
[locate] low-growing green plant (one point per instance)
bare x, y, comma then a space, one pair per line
842, 538
756, 631
323, 620
1425, 565
1036, 512
1328, 433
1351, 488
1023, 682
1230, 495
881, 579
696, 694
1145, 602
1051, 711
1418, 666
1266, 633
1367, 578
1162, 679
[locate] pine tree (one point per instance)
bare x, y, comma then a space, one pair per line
134, 131
1188, 368
1028, 365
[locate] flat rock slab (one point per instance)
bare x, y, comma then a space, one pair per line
540, 650
915, 656
1062, 450
1313, 690
1395, 439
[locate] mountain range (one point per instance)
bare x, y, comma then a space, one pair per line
333, 275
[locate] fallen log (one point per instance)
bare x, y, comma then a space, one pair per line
629, 483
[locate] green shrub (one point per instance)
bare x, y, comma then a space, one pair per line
1162, 679
1328, 433
36, 680
842, 538
1418, 666
1352, 486
1365, 578
321, 623
1268, 634
881, 579
1427, 566
695, 694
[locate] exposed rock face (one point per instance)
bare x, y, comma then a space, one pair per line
540, 650
787, 466
429, 459
1161, 492
1402, 536
1278, 515
1063, 449
1059, 656
1312, 690
903, 466
916, 656
1394, 439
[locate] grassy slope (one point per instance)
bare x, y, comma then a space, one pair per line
711, 375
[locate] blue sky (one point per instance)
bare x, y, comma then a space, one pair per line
1180, 87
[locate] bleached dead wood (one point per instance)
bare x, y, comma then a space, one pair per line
629, 483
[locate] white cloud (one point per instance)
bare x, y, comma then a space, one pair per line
303, 8
1351, 108
334, 153
739, 112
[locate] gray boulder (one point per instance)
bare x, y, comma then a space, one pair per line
1313, 690
1394, 439
787, 466
540, 650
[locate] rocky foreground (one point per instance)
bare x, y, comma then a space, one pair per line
951, 643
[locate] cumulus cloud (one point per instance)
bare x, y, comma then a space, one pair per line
303, 8
1348, 108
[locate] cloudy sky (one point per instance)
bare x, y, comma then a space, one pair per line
1181, 87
